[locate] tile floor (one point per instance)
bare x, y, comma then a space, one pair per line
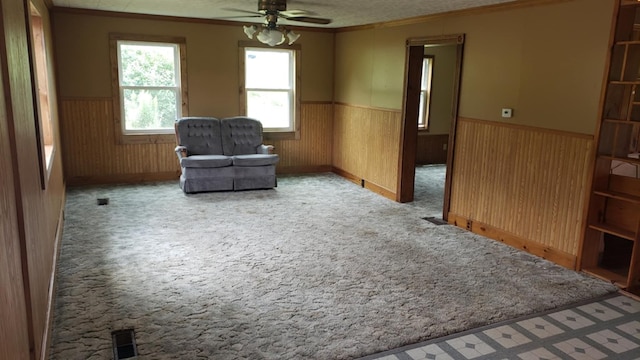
607, 328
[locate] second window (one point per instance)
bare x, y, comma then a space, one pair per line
270, 84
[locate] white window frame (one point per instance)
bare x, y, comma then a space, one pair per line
293, 130
425, 92
158, 135
175, 89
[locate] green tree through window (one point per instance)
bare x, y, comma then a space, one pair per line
149, 85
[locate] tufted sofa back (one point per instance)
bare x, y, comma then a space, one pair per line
201, 135
241, 135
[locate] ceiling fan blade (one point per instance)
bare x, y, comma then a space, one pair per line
241, 17
256, 13
309, 19
294, 13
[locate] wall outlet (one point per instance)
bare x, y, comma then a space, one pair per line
507, 112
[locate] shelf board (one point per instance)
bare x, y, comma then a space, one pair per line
622, 82
618, 279
619, 195
625, 159
614, 230
622, 121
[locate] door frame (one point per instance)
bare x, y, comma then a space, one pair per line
409, 128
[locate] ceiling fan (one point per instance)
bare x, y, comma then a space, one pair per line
271, 10
270, 33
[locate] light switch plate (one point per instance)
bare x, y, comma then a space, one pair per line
507, 112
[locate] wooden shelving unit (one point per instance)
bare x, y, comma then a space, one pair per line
611, 247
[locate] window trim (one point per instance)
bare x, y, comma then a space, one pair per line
175, 89
273, 134
426, 111
40, 76
152, 136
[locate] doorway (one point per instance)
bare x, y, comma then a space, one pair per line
432, 83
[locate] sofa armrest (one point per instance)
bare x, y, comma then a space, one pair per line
181, 151
265, 149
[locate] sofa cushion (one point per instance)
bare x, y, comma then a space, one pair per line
255, 160
200, 135
240, 135
206, 161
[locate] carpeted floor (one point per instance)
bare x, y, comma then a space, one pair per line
318, 268
428, 194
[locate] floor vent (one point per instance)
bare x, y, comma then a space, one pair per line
124, 344
435, 220
103, 201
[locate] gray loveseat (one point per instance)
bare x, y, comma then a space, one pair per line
223, 154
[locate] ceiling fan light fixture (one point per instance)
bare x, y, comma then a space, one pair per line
271, 37
292, 36
250, 31
269, 32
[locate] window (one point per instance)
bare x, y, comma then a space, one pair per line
151, 87
425, 93
41, 98
269, 77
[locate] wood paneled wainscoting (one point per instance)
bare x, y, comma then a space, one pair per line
366, 146
523, 186
93, 156
432, 149
312, 152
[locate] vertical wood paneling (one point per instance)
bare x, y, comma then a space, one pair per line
313, 149
37, 210
382, 146
92, 154
366, 144
348, 149
13, 318
91, 151
524, 181
431, 149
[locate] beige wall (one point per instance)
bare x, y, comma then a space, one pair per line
546, 62
82, 51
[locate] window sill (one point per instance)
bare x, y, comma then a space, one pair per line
146, 139
288, 135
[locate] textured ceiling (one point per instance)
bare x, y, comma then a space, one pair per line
343, 12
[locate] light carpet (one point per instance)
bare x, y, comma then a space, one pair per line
318, 268
428, 195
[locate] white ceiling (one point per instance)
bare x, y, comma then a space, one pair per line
343, 12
